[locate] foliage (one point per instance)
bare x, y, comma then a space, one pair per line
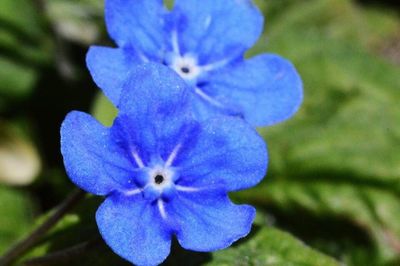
265, 246
16, 212
25, 47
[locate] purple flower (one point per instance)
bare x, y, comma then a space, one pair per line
204, 41
162, 172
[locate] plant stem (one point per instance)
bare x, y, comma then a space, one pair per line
25, 244
63, 255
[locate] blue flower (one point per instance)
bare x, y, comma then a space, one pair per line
163, 173
204, 41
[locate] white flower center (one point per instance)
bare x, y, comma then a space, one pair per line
186, 67
160, 177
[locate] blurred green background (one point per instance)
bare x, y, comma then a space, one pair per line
332, 192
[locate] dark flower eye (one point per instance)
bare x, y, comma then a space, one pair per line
185, 70
158, 179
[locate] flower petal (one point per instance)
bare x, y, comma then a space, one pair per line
134, 229
91, 161
146, 140
208, 221
155, 115
206, 105
267, 88
154, 91
109, 68
138, 24
200, 25
228, 152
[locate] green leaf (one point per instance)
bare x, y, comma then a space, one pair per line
348, 121
19, 14
16, 211
342, 20
16, 79
270, 246
338, 158
373, 209
104, 110
25, 46
22, 34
